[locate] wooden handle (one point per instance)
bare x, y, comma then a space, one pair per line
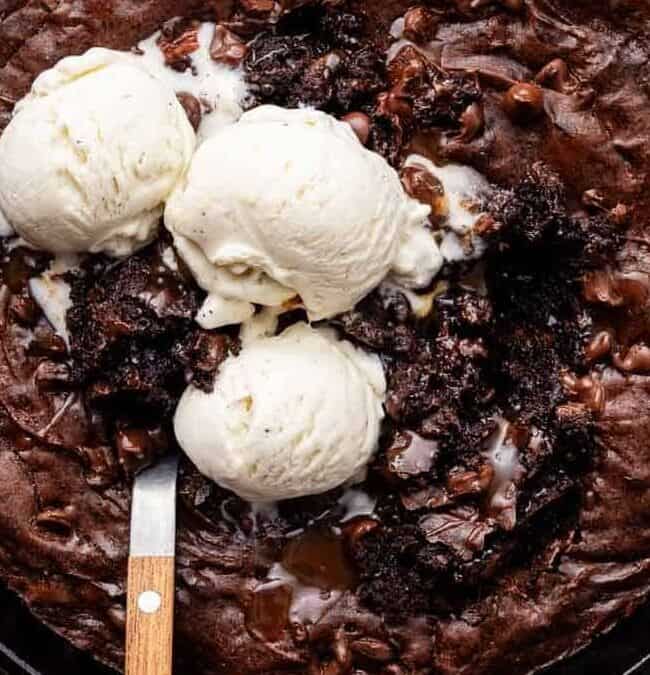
150, 616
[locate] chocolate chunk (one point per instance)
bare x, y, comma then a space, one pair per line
192, 108
637, 359
472, 123
419, 25
460, 529
616, 289
411, 455
56, 522
226, 47
47, 343
373, 649
554, 74
360, 123
408, 69
258, 7
620, 214
137, 447
23, 308
426, 188
593, 199
179, 38
133, 442
267, 614
20, 265
599, 346
589, 390
470, 482
356, 529
392, 103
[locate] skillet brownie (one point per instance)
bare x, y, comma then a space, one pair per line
443, 560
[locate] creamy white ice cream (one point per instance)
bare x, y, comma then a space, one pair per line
52, 293
288, 203
91, 154
291, 415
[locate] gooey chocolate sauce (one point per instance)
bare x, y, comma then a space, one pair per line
311, 574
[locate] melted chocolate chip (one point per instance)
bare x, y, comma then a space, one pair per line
360, 123
599, 346
589, 390
192, 108
617, 289
555, 74
46, 343
226, 47
636, 360
178, 39
470, 482
523, 102
419, 25
56, 522
373, 650
408, 68
267, 614
317, 558
356, 529
258, 7
426, 188
392, 103
472, 123
461, 530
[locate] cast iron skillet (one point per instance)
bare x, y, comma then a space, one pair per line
28, 648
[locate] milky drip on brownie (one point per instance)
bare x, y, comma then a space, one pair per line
216, 87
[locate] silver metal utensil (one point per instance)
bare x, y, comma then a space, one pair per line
150, 594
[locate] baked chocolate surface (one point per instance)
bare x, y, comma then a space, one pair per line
549, 101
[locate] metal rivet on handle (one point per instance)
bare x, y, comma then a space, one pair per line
149, 602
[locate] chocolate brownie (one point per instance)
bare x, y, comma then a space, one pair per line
541, 347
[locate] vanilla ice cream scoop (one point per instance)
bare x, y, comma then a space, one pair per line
288, 203
291, 415
91, 155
